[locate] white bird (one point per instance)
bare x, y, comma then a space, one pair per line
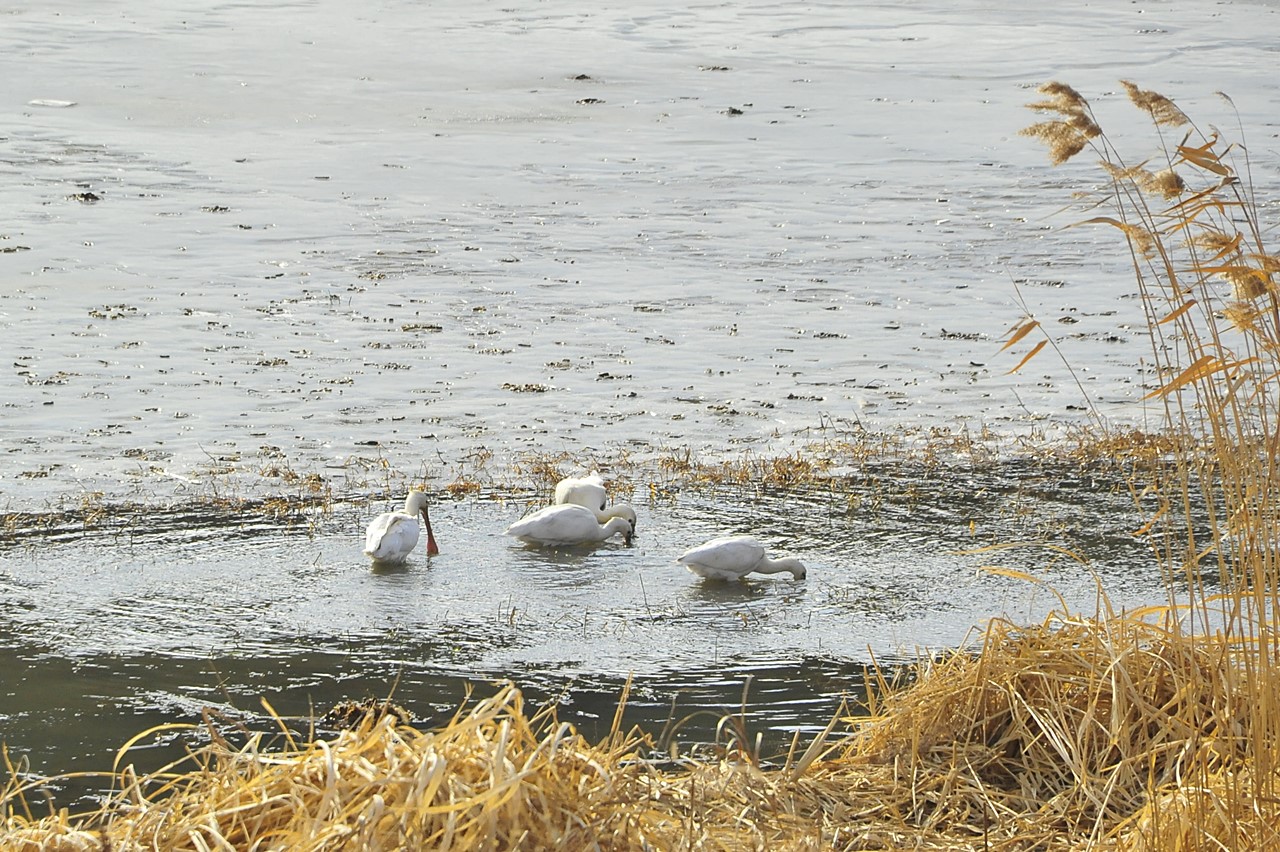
734, 557
392, 536
583, 490
589, 491
568, 524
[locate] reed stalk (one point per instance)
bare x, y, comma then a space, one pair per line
1206, 276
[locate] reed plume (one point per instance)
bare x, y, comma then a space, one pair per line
1205, 275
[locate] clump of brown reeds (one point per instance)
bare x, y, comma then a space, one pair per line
494, 778
1206, 278
1079, 732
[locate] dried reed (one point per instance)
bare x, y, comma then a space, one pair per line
1206, 278
1077, 733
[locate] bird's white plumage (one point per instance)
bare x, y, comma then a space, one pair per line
618, 510
589, 491
567, 524
734, 557
392, 536
583, 491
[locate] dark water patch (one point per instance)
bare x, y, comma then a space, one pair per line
67, 716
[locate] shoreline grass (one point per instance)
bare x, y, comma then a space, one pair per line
1076, 733
835, 464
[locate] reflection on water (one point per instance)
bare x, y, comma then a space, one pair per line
568, 570
153, 617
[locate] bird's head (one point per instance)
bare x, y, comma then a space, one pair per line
623, 510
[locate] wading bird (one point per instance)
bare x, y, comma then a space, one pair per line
583, 490
589, 491
568, 524
734, 557
392, 536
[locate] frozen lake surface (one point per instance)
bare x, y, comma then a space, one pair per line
242, 245
409, 232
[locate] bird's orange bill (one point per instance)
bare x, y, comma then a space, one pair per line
432, 547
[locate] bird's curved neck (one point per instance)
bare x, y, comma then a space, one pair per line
777, 566
615, 526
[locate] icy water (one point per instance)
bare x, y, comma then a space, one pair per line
243, 244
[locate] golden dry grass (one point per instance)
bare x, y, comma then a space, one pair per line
1212, 506
1075, 734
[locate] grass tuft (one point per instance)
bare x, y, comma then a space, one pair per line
1076, 733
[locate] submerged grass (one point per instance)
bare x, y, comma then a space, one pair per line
1152, 730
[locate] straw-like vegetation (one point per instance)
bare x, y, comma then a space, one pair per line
1079, 733
839, 461
1154, 730
1207, 280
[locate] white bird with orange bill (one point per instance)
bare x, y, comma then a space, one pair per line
392, 536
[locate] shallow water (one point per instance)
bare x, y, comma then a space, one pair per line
152, 618
244, 245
